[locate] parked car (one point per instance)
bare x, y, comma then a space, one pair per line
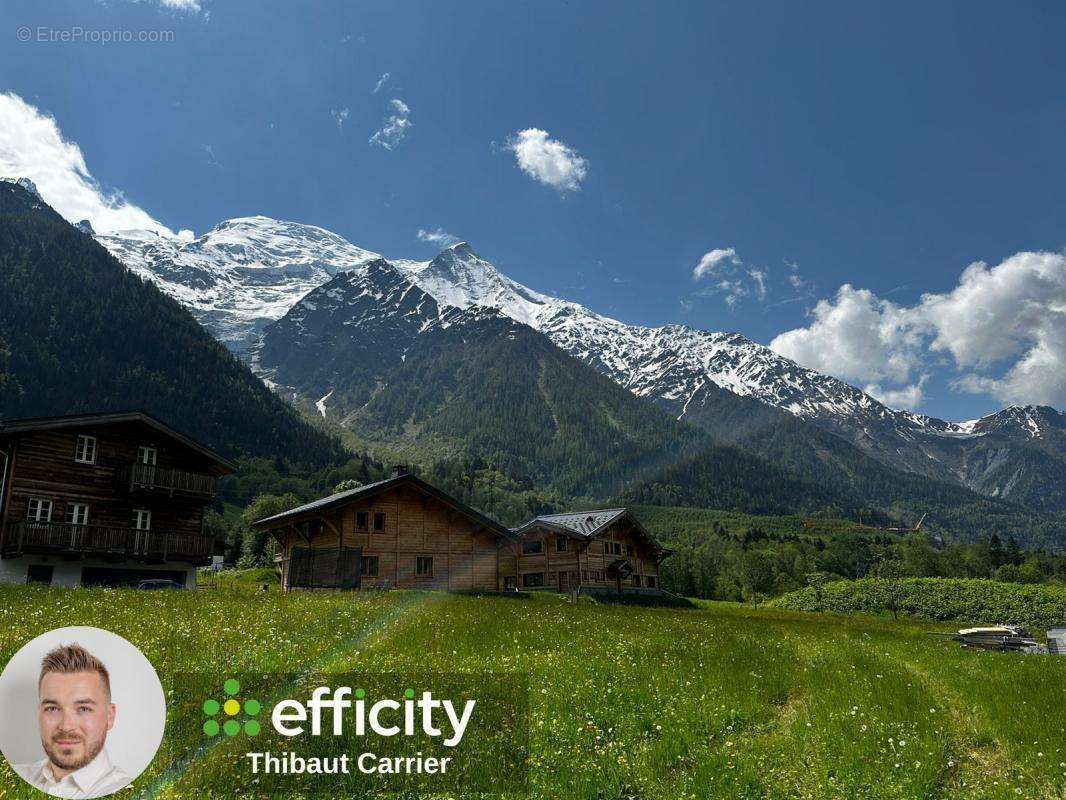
159, 583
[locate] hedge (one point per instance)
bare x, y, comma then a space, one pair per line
969, 600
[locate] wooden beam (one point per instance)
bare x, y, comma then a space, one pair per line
332, 527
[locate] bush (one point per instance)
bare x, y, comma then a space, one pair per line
970, 600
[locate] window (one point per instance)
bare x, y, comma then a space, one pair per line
636, 580
509, 583
85, 452
146, 455
142, 519
533, 579
585, 575
77, 514
39, 573
560, 544
379, 522
530, 546
362, 520
617, 549
423, 565
38, 510
651, 581
629, 549
368, 566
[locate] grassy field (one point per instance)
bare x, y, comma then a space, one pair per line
718, 701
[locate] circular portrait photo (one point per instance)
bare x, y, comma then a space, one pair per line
83, 712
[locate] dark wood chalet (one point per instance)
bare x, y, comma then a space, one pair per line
112, 499
400, 532
591, 551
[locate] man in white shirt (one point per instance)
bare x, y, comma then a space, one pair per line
74, 714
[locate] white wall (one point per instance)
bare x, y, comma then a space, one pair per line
68, 573
12, 570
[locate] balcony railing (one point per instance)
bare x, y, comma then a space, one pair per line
149, 478
78, 541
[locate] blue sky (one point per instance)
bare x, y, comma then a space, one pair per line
826, 144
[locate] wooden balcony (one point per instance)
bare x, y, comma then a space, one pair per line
112, 544
149, 478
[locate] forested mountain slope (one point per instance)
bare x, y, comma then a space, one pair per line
80, 333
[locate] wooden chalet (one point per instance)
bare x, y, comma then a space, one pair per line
606, 550
400, 532
109, 499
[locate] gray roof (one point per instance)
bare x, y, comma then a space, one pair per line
328, 501
586, 523
343, 498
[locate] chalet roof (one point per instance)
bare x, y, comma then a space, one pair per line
30, 424
587, 524
369, 489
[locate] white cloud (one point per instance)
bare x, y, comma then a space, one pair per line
1003, 328
905, 397
711, 260
339, 116
857, 337
733, 280
548, 160
397, 126
759, 277
381, 82
1009, 319
187, 6
32, 146
210, 150
438, 237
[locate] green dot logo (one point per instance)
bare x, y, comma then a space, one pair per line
223, 717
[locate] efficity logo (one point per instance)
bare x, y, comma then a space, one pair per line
342, 711
231, 707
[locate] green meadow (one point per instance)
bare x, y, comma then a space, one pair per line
710, 701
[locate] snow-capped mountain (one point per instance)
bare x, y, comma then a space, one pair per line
241, 275
249, 272
672, 364
331, 344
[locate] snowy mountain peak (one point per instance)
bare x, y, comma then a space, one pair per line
249, 272
26, 184
241, 275
460, 277
1027, 422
